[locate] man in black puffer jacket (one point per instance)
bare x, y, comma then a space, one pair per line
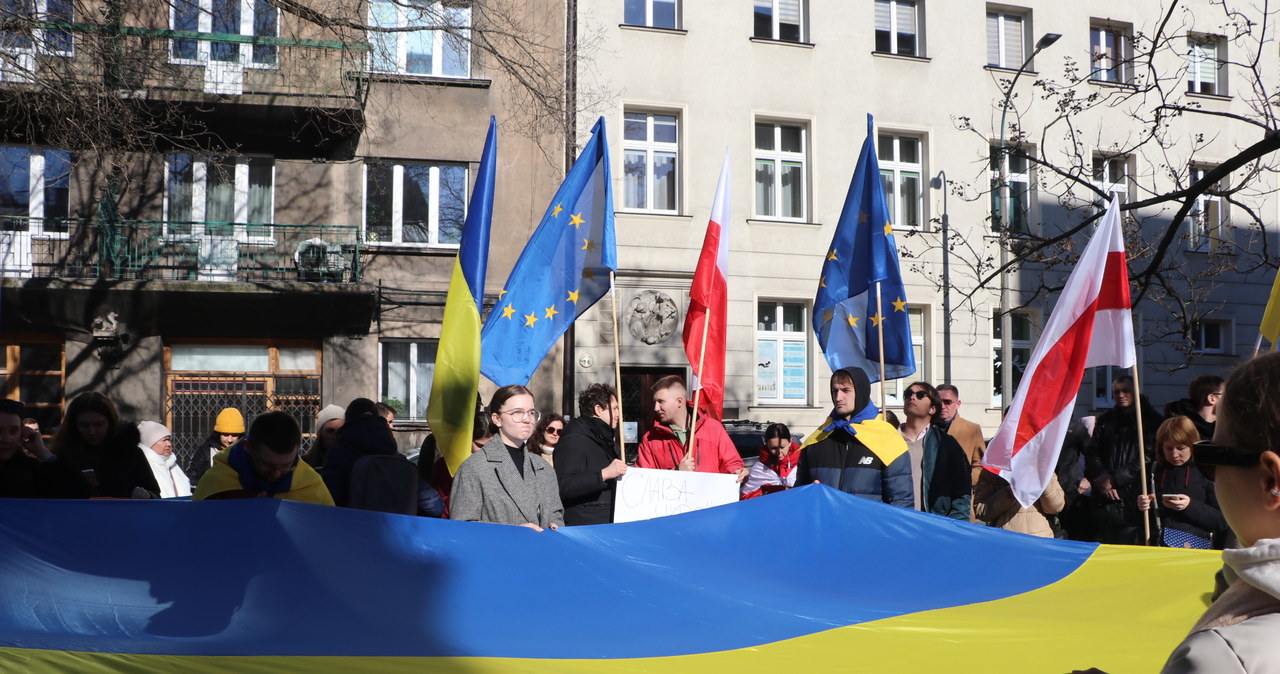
1114, 466
587, 463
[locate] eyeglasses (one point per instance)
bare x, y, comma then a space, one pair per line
948, 402
1207, 455
920, 394
552, 430
1121, 392
523, 415
272, 467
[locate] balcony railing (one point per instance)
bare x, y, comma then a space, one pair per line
145, 250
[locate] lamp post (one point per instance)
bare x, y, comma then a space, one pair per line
941, 183
1002, 211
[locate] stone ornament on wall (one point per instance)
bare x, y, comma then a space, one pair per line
652, 317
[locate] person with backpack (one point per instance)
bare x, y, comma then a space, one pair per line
358, 480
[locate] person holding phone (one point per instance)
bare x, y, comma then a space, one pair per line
1188, 507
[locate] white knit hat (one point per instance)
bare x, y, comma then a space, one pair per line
152, 432
329, 414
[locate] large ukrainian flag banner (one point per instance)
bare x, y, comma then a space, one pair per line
451, 409
810, 579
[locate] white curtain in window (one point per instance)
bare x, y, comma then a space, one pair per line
789, 12
1204, 59
1004, 40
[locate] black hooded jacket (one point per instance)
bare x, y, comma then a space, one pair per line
365, 435
588, 446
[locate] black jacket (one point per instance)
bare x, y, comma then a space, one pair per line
1202, 517
1115, 453
1187, 408
24, 477
365, 435
588, 446
118, 464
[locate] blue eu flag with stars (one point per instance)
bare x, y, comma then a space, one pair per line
847, 317
563, 270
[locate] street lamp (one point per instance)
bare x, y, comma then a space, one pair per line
1002, 210
941, 183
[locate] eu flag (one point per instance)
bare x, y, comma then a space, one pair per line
563, 270
846, 317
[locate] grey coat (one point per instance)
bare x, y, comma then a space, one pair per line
488, 488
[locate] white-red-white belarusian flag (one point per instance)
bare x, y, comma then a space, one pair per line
709, 294
1091, 326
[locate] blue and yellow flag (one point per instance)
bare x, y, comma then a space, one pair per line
563, 270
451, 410
863, 255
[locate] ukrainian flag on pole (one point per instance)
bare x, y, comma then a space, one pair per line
451, 409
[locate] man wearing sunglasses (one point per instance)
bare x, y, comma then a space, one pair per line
1113, 467
939, 467
587, 463
967, 433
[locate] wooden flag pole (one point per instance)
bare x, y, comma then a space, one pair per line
880, 331
1257, 345
697, 395
1142, 456
617, 363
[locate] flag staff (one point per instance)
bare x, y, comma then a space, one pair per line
617, 362
1142, 454
880, 332
697, 394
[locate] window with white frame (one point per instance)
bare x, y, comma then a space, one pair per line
1022, 326
918, 318
1204, 65
441, 47
651, 161
652, 13
1110, 48
1111, 175
219, 196
1017, 168
782, 352
780, 20
34, 189
780, 163
1207, 220
33, 32
1211, 336
253, 18
1006, 38
901, 160
415, 203
898, 27
407, 368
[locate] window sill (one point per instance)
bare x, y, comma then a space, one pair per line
1208, 97
901, 57
1114, 85
653, 214
653, 29
784, 43
1011, 71
410, 248
402, 78
767, 221
1223, 248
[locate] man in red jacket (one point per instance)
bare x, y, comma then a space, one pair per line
665, 446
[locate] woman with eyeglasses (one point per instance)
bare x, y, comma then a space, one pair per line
1188, 508
1238, 631
546, 435
503, 483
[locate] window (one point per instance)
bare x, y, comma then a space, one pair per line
1021, 324
1006, 39
36, 35
255, 18
917, 316
780, 170
651, 13
782, 353
1111, 175
219, 196
1018, 173
651, 161
32, 371
1204, 65
1207, 221
407, 371
780, 20
1211, 336
35, 185
441, 47
901, 167
898, 27
1110, 49
415, 203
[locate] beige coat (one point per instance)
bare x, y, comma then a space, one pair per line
969, 435
994, 503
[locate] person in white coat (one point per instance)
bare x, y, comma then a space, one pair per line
157, 445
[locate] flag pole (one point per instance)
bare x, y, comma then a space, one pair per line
1142, 454
617, 362
697, 394
1257, 345
880, 330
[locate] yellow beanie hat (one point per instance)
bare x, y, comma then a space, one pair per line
230, 420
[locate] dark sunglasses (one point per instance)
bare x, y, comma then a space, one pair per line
1208, 455
919, 394
552, 430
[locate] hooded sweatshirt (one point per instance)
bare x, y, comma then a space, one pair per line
1237, 632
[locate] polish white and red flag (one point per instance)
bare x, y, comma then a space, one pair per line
708, 302
1091, 326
